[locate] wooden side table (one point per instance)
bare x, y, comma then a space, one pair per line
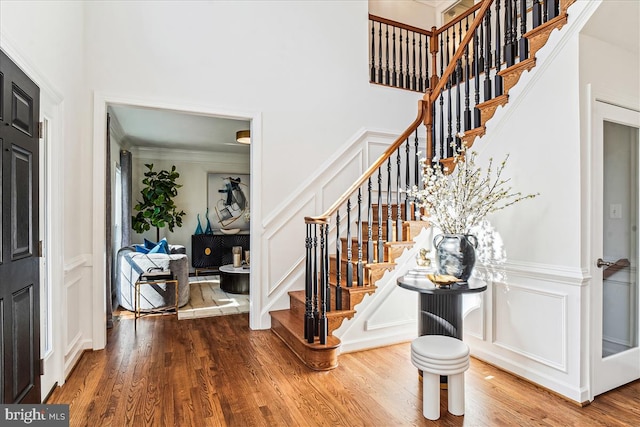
136, 305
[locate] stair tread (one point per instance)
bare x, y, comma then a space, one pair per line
295, 325
400, 243
300, 294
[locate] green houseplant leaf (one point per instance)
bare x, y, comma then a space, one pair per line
157, 207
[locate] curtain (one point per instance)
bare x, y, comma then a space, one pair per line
125, 170
108, 221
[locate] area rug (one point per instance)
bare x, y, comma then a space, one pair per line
207, 300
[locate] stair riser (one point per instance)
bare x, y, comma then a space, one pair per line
343, 272
354, 249
334, 317
385, 211
317, 359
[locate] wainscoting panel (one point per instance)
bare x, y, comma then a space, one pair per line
473, 308
390, 315
349, 172
532, 323
76, 333
73, 314
283, 247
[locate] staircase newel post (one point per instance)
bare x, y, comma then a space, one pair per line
308, 298
487, 61
380, 220
498, 89
416, 167
477, 118
427, 106
338, 264
553, 7
536, 13
398, 202
372, 77
510, 33
316, 315
401, 75
323, 324
413, 49
433, 45
389, 200
407, 82
370, 258
407, 181
360, 266
523, 46
420, 68
386, 54
467, 71
349, 278
394, 76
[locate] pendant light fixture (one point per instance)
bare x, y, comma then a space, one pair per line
243, 136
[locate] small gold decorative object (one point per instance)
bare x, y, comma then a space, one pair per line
421, 258
442, 279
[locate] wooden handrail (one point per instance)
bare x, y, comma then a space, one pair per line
423, 110
459, 18
324, 218
458, 54
400, 25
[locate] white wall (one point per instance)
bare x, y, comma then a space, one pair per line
410, 12
46, 40
300, 68
306, 72
533, 317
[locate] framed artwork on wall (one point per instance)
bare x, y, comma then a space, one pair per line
228, 201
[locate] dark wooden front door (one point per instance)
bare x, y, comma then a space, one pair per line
19, 267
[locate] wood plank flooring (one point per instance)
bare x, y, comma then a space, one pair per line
217, 372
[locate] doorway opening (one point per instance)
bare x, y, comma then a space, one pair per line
196, 142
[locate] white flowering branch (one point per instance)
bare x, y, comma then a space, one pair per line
457, 202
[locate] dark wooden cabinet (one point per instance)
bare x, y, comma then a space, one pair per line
214, 250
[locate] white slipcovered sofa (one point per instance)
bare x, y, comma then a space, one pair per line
131, 264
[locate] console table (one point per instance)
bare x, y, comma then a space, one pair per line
210, 251
440, 306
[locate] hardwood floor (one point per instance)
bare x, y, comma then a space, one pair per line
217, 372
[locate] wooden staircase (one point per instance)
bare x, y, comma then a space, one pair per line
288, 324
537, 38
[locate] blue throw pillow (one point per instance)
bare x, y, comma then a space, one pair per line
161, 248
141, 249
149, 244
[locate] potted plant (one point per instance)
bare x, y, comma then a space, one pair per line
456, 201
157, 208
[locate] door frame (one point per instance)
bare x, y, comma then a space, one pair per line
594, 220
54, 240
100, 103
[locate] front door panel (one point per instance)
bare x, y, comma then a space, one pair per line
19, 267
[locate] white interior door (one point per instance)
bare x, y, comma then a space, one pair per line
616, 155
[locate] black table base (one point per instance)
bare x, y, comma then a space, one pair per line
440, 315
